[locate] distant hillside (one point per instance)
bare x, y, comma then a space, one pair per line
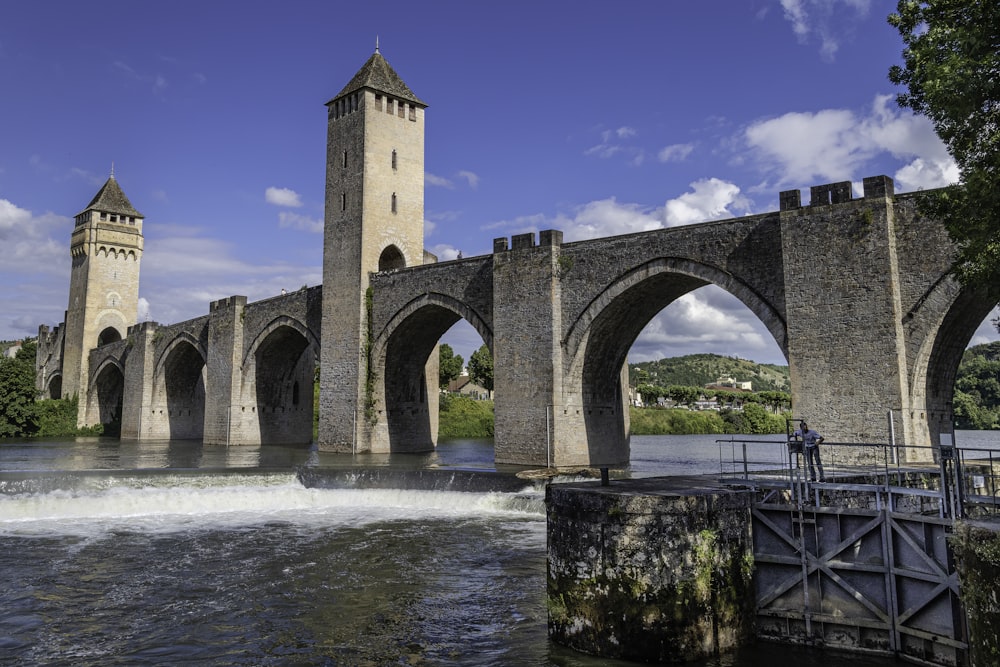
697, 370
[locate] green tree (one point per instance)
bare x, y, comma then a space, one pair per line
17, 393
481, 367
951, 70
683, 395
449, 365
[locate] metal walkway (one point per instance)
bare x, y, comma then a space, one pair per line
861, 561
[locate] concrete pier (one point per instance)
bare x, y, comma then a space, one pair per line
655, 570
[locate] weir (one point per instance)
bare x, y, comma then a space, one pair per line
675, 569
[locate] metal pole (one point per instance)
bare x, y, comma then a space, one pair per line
892, 438
549, 409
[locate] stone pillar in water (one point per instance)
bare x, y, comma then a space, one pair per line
639, 573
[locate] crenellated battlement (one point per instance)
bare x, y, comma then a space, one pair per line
836, 193
547, 238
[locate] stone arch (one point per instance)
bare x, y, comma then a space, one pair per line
955, 313
391, 258
53, 386
597, 343
278, 373
699, 275
105, 396
108, 335
178, 405
406, 398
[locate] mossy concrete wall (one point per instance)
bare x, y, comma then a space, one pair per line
650, 570
976, 545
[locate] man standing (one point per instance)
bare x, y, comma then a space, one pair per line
811, 440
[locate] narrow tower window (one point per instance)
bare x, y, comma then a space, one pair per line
393, 202
343, 202
345, 158
394, 159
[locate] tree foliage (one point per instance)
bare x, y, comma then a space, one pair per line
17, 393
449, 365
951, 71
976, 403
481, 367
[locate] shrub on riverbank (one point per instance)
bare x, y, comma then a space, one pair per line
753, 419
57, 418
464, 417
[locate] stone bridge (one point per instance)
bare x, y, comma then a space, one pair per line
243, 374
857, 293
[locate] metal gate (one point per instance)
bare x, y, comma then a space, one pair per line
859, 579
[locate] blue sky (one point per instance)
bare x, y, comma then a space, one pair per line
596, 118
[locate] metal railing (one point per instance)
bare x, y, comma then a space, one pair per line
948, 481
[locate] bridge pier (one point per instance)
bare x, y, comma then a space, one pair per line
137, 418
537, 421
847, 344
225, 422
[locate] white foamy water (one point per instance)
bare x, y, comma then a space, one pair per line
170, 504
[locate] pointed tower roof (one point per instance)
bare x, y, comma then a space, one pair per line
377, 74
111, 199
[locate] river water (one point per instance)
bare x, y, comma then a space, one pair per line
173, 553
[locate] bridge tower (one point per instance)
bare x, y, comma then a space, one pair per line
374, 221
106, 247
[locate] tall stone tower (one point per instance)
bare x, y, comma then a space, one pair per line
106, 246
374, 221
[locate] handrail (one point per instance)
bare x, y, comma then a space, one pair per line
965, 481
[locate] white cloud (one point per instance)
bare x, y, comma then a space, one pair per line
183, 271
706, 320
835, 144
606, 217
440, 181
675, 152
612, 144
444, 252
157, 81
709, 199
11, 216
287, 219
470, 178
283, 197
34, 271
824, 20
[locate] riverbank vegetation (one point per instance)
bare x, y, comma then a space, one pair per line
464, 417
752, 419
21, 413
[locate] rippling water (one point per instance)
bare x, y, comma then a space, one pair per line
173, 553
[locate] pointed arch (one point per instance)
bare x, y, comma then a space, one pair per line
391, 258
